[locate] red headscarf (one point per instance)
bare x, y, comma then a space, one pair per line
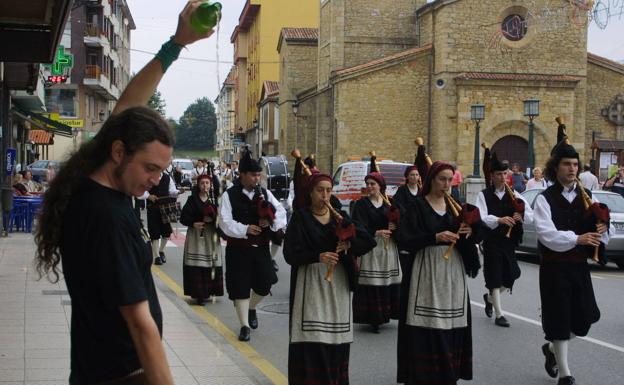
204, 176
377, 177
312, 181
435, 169
408, 170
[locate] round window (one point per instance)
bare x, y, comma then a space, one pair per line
514, 27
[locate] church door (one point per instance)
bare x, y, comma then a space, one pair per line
513, 149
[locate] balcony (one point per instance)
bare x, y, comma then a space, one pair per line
96, 80
94, 36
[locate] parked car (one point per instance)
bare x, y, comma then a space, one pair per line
615, 248
39, 169
186, 167
349, 185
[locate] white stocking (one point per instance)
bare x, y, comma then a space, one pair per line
163, 244
560, 349
496, 302
242, 311
255, 300
155, 248
274, 250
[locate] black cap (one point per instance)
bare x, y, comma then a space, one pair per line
497, 165
248, 164
563, 149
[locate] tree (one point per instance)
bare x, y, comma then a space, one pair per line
157, 103
197, 126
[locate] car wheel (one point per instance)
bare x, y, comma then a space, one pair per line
620, 265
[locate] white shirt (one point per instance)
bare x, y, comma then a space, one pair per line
198, 171
491, 221
235, 229
589, 180
532, 183
547, 233
173, 190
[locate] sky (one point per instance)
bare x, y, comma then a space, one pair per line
189, 80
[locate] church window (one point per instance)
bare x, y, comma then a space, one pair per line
514, 27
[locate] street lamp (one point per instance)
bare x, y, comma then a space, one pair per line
255, 127
477, 115
531, 110
295, 107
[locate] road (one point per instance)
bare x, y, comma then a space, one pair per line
501, 356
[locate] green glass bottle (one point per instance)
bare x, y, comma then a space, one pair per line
206, 17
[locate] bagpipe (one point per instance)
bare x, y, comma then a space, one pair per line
393, 214
466, 213
598, 212
266, 211
345, 231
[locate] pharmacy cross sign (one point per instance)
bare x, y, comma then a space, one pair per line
62, 61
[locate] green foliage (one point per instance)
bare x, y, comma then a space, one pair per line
157, 103
197, 127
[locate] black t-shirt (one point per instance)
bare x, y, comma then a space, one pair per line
106, 261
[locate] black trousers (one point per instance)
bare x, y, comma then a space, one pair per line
246, 269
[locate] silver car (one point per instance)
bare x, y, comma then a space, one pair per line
615, 248
39, 169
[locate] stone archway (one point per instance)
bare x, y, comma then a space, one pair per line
512, 148
544, 138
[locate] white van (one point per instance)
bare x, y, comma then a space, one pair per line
349, 185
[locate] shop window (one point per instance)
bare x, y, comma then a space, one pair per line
62, 101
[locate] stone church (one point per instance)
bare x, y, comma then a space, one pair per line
379, 73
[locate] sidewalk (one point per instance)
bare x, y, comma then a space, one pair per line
34, 330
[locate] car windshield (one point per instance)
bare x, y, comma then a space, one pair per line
614, 201
392, 173
39, 164
184, 165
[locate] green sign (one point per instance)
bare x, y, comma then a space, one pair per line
61, 61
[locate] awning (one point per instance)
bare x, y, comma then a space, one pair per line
608, 145
43, 123
41, 137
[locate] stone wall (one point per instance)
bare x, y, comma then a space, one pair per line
298, 72
466, 35
383, 110
603, 85
357, 31
504, 116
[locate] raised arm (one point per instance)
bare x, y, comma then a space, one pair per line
144, 83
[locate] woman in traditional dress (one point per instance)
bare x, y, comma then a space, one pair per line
376, 299
203, 267
435, 337
321, 325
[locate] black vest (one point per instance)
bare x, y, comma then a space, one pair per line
568, 217
162, 189
244, 210
501, 208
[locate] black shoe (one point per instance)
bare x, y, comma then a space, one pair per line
502, 321
550, 363
162, 256
245, 334
275, 267
253, 319
375, 329
200, 301
488, 306
569, 380
158, 261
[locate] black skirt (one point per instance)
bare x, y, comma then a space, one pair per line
376, 305
568, 302
318, 364
500, 265
198, 283
155, 226
434, 356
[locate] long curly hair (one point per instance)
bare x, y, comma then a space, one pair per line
135, 128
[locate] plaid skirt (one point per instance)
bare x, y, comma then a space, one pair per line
199, 284
376, 305
318, 364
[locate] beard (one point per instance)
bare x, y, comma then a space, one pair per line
119, 171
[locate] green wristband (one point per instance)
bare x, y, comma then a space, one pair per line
168, 53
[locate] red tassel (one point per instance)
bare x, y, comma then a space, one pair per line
266, 210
